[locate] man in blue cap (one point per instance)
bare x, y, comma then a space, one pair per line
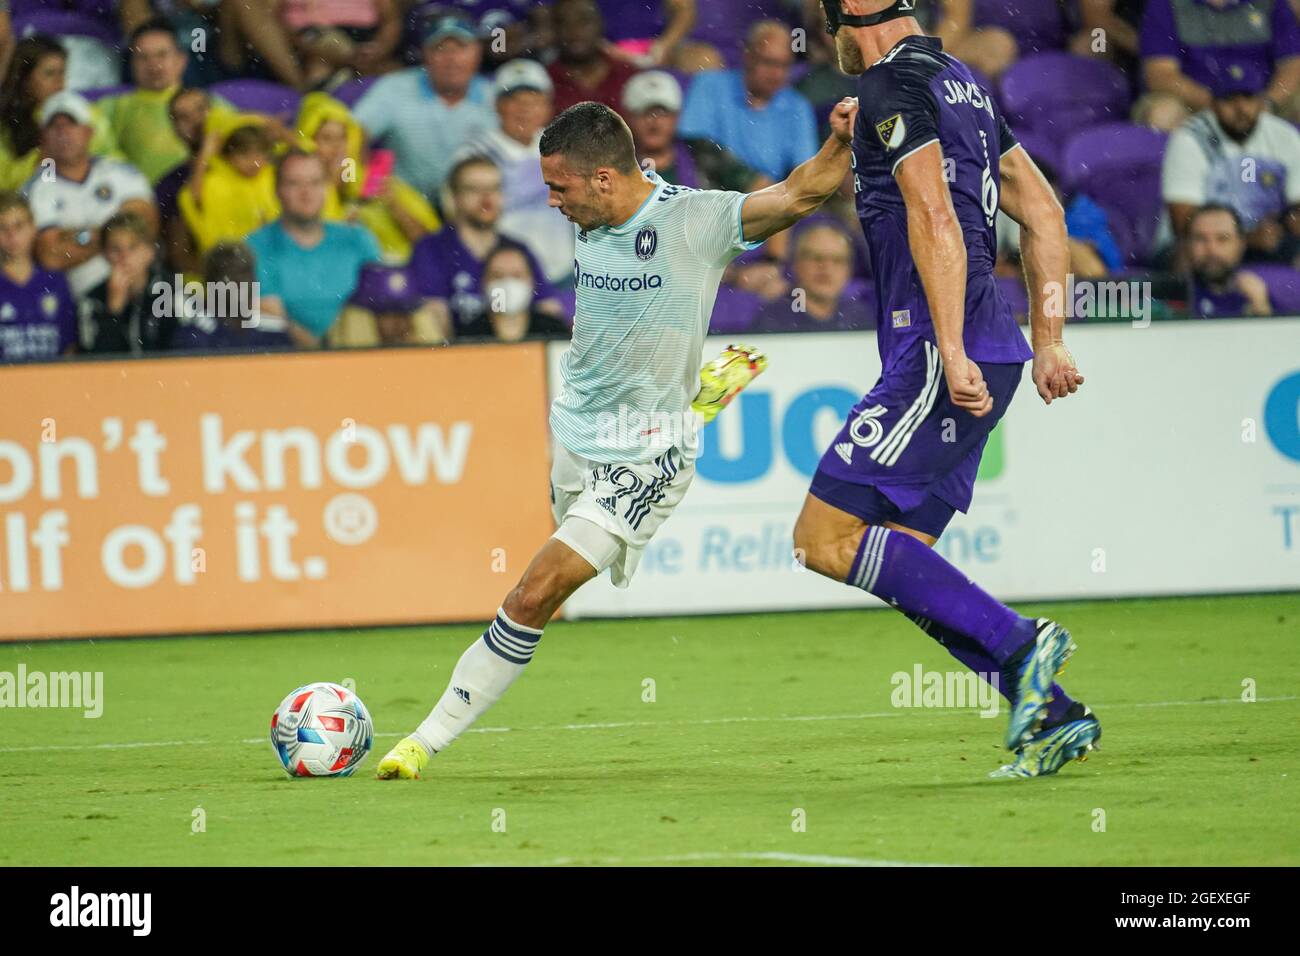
424, 114
1239, 155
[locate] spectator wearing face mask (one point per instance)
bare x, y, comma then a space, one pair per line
510, 310
447, 267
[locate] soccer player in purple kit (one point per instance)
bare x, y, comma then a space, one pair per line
933, 162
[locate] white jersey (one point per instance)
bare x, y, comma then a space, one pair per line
645, 292
67, 204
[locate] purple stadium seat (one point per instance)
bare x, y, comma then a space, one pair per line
1283, 286
734, 311
1037, 25
29, 18
1118, 165
1059, 94
1043, 148
259, 96
105, 91
723, 23
350, 93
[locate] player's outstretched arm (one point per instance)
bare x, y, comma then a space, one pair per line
1044, 252
811, 183
939, 251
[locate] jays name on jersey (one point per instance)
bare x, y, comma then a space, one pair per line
644, 294
914, 96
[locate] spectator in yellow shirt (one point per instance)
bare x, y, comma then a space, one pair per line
232, 190
140, 125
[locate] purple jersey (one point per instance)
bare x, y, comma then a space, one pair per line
1251, 34
442, 268
914, 96
632, 19
38, 321
1206, 303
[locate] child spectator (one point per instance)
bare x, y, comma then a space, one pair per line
232, 264
123, 313
38, 318
232, 190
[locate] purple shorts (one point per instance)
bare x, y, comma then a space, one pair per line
907, 454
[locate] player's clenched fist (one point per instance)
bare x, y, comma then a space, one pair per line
842, 117
1055, 375
967, 387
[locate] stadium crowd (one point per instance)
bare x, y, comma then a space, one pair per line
370, 167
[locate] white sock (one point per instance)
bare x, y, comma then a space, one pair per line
483, 673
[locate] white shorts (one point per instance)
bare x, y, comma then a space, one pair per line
626, 504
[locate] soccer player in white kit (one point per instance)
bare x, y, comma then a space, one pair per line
649, 257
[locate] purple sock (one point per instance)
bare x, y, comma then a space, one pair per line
912, 577
970, 654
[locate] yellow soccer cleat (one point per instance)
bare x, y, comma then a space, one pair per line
724, 378
405, 761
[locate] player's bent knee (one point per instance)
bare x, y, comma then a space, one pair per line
532, 602
815, 548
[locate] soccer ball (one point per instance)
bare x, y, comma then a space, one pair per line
321, 730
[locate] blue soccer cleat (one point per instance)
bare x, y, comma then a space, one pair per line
1035, 673
1051, 749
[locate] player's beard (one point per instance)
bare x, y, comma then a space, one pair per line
850, 57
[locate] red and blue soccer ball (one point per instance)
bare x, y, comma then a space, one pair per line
321, 730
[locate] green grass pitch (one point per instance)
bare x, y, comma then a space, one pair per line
755, 718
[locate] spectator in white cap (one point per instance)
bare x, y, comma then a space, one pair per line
652, 103
426, 113
79, 194
523, 104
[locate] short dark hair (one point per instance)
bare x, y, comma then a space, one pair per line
591, 135
474, 159
506, 247
230, 262
184, 91
247, 139
291, 154
131, 222
153, 25
1218, 207
12, 199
